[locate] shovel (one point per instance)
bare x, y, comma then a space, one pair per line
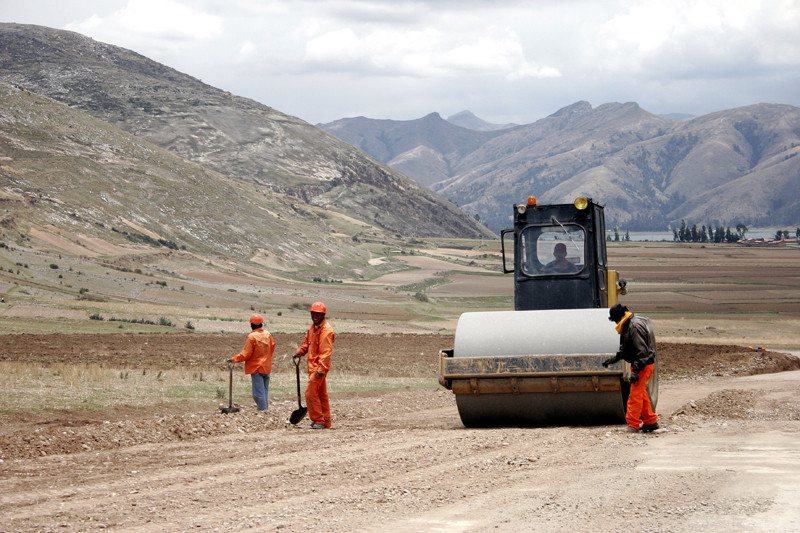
298, 414
230, 408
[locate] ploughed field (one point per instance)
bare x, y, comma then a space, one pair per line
365, 356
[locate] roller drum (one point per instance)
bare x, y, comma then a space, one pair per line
561, 331
562, 351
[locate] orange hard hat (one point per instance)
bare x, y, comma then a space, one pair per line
256, 319
318, 307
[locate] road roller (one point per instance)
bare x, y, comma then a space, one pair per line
541, 364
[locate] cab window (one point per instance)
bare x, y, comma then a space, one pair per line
552, 250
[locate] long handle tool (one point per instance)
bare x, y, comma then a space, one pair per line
230, 408
298, 414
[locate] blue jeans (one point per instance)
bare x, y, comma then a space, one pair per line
260, 390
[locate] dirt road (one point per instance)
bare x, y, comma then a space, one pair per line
727, 460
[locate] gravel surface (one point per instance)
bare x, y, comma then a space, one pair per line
726, 458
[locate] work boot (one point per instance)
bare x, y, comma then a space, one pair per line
632, 429
649, 428
317, 426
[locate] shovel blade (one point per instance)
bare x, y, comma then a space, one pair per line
228, 410
298, 415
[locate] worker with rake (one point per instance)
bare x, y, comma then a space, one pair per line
257, 355
318, 345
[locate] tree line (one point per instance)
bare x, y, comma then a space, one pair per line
718, 234
708, 234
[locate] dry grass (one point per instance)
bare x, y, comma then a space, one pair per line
33, 387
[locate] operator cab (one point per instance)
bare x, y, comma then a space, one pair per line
559, 256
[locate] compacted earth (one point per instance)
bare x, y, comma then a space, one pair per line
727, 456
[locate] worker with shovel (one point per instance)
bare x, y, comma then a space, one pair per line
318, 344
257, 355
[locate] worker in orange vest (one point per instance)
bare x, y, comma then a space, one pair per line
635, 349
318, 344
257, 355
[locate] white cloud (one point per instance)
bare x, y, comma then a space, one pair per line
702, 38
247, 52
423, 52
155, 26
506, 60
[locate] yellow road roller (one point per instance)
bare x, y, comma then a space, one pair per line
541, 364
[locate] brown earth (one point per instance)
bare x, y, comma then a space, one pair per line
401, 461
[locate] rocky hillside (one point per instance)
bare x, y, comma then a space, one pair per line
74, 184
730, 167
276, 155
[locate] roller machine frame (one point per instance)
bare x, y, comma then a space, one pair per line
541, 363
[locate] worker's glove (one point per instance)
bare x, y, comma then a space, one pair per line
634, 377
637, 366
609, 361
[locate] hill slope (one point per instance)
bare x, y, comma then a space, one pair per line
234, 136
77, 185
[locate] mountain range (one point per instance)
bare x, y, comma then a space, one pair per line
736, 166
141, 150
100, 141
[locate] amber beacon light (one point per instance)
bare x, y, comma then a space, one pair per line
581, 203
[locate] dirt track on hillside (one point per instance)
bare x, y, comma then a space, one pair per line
726, 459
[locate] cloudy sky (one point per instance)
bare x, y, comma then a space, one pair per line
504, 60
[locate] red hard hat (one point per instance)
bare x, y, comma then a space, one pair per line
318, 307
256, 319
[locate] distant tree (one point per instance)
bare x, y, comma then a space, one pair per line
719, 234
616, 234
676, 238
694, 235
797, 234
627, 235
741, 229
684, 233
703, 234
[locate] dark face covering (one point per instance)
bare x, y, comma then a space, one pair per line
616, 313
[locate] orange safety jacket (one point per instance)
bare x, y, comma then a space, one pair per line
257, 353
318, 344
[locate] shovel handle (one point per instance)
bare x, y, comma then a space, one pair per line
230, 384
296, 361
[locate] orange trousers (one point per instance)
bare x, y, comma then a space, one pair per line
319, 410
639, 408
